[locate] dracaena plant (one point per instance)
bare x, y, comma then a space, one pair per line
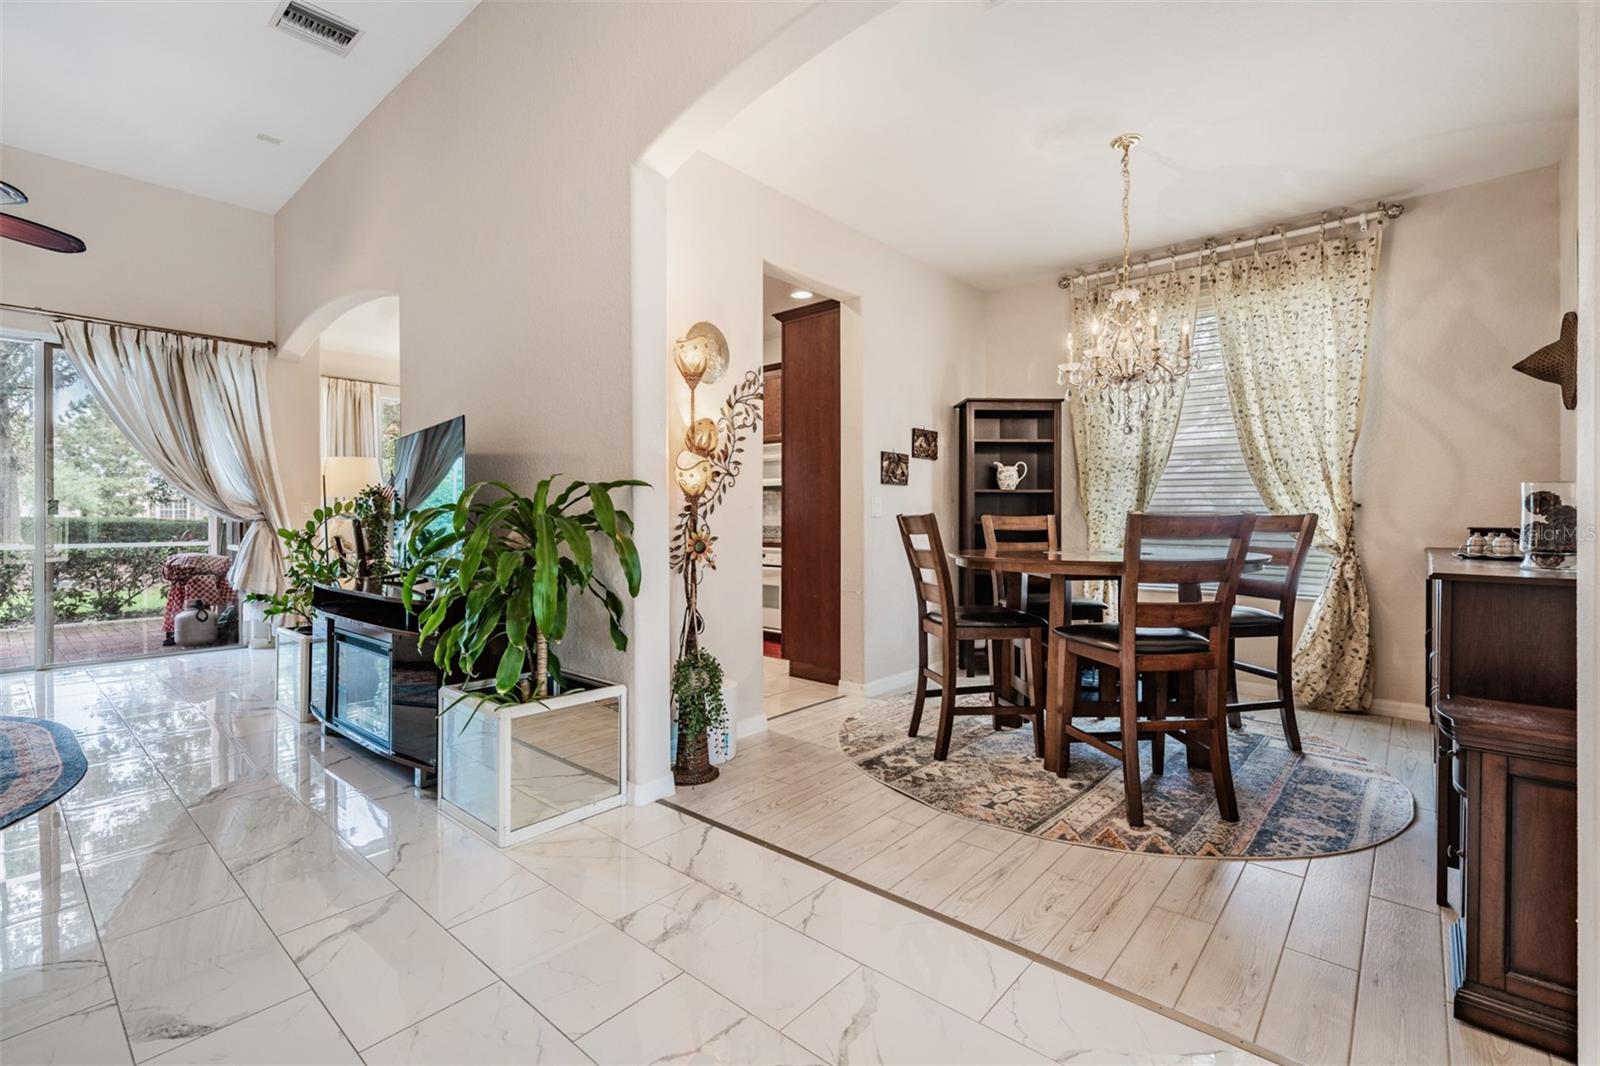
503, 572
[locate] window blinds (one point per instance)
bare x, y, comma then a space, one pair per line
1206, 473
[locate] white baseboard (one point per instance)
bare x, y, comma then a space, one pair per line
1260, 688
649, 791
888, 686
1414, 712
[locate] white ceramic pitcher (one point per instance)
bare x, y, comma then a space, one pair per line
1009, 477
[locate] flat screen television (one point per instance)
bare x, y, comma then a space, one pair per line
430, 468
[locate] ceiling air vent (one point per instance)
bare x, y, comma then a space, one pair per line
315, 25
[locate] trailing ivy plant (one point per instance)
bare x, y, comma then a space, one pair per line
503, 571
307, 562
697, 691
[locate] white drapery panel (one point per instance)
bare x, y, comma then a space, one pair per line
1294, 329
350, 418
1118, 470
196, 409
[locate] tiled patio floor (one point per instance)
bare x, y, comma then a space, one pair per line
86, 641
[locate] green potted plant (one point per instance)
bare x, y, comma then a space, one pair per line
307, 563
698, 693
374, 509
505, 573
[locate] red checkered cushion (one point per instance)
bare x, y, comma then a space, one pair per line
195, 576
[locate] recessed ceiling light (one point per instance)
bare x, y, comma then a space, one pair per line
801, 294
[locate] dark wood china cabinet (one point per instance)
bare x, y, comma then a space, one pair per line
1502, 693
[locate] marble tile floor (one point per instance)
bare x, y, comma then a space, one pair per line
233, 887
1330, 960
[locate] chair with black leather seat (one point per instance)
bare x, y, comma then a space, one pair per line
1268, 539
941, 618
1158, 638
1035, 533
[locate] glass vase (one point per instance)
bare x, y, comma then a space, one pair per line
1549, 525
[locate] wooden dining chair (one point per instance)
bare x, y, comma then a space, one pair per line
941, 618
1158, 638
1248, 621
1035, 533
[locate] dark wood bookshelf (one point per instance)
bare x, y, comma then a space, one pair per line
1005, 430
1040, 442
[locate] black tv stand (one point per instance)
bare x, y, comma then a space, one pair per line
382, 688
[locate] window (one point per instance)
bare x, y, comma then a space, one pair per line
388, 427
87, 526
1206, 473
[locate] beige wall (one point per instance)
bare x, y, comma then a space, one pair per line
494, 191
911, 344
1025, 329
1468, 284
164, 258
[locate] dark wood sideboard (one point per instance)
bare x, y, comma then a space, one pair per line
1502, 692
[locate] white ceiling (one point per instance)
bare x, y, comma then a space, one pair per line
174, 93
373, 328
974, 135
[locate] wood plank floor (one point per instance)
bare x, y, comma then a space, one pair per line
782, 694
1329, 960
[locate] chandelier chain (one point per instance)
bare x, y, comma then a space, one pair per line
1127, 194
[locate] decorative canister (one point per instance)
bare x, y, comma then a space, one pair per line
1476, 545
1549, 539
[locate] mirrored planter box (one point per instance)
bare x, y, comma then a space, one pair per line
302, 666
514, 772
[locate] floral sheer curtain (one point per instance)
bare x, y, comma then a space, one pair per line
1118, 470
1294, 327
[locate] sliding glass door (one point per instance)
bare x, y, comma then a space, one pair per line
94, 543
21, 459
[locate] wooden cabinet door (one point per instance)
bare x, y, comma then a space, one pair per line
772, 405
810, 394
1522, 878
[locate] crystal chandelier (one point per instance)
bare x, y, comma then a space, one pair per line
1124, 359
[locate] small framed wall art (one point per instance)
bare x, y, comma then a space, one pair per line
924, 443
894, 468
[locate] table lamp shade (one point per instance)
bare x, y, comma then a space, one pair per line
343, 476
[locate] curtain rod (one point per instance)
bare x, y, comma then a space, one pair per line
45, 312
1211, 245
359, 381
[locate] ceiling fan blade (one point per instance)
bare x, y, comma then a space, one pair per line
40, 236
10, 194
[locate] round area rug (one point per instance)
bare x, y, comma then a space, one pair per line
40, 761
1323, 801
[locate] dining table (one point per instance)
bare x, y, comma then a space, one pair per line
1060, 568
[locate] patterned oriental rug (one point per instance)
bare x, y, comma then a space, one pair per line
1324, 801
40, 761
